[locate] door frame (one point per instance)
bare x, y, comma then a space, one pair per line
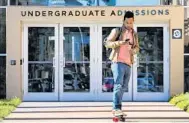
78, 96
162, 96
39, 96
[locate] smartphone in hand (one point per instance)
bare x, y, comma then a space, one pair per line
127, 40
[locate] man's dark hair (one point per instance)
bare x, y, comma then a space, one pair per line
128, 14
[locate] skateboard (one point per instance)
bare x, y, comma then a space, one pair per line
118, 118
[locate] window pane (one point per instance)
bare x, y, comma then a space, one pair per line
3, 2
2, 77
150, 70
40, 47
72, 2
150, 77
77, 59
54, 2
179, 2
186, 73
2, 30
186, 3
29, 2
86, 2
107, 2
186, 30
41, 77
167, 2
135, 2
12, 2
173, 2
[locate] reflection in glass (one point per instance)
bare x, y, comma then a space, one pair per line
3, 2
107, 2
54, 2
76, 77
186, 30
150, 77
29, 2
87, 2
40, 78
186, 48
166, 2
72, 2
77, 59
150, 70
107, 78
40, 59
151, 43
137, 2
41, 47
2, 77
186, 73
2, 30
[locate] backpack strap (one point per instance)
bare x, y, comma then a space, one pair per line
119, 33
134, 39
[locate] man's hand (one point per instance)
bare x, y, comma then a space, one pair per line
126, 42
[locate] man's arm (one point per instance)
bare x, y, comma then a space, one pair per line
110, 40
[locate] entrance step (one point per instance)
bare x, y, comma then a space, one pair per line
95, 112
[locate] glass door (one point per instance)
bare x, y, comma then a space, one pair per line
104, 73
151, 69
77, 63
40, 62
70, 63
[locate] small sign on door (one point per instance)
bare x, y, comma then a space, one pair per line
177, 33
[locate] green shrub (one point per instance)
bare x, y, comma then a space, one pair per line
7, 106
183, 104
187, 109
179, 98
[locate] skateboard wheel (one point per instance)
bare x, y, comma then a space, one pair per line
122, 119
115, 119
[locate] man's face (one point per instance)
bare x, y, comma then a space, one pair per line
128, 23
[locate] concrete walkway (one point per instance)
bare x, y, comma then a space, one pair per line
95, 112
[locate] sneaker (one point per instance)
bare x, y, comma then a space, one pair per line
117, 112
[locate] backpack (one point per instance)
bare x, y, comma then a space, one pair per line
109, 50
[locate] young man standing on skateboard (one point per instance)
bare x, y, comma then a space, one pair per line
124, 44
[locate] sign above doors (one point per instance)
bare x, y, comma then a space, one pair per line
96, 12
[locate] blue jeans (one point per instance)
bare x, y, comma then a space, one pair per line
121, 74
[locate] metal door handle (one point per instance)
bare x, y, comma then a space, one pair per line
64, 61
138, 62
54, 62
